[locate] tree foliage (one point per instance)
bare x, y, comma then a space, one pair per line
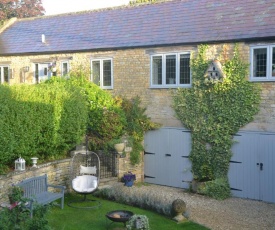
20, 9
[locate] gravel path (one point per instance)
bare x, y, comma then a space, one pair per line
232, 213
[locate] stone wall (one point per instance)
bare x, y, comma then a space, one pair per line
131, 72
58, 174
265, 119
125, 166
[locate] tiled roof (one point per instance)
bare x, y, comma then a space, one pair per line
168, 23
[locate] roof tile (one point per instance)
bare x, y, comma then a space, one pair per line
172, 22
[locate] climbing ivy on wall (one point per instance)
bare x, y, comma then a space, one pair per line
214, 111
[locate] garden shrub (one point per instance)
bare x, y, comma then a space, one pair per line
214, 110
137, 124
40, 120
146, 200
106, 119
218, 189
110, 117
17, 215
138, 222
48, 119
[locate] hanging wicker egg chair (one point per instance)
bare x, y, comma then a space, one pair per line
85, 174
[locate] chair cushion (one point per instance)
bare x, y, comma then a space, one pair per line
87, 170
85, 183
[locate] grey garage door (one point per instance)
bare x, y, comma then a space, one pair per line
252, 167
166, 157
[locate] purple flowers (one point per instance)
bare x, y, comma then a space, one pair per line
129, 177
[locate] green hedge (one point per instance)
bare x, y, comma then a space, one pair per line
106, 118
40, 120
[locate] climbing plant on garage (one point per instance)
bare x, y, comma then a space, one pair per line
214, 110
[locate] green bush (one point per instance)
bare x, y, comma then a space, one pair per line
110, 118
17, 216
218, 189
137, 124
40, 120
106, 119
48, 119
142, 220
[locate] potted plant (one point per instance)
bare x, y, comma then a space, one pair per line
121, 145
138, 222
128, 179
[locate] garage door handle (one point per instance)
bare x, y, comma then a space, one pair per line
168, 155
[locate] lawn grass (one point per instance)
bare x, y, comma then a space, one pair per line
81, 219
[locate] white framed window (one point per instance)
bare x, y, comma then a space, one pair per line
42, 72
170, 70
262, 63
65, 68
4, 74
102, 72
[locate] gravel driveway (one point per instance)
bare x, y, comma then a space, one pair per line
232, 213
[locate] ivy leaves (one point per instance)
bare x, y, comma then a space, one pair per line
214, 112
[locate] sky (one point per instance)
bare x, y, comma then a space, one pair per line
66, 6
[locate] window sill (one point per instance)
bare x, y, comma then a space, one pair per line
170, 87
262, 79
107, 87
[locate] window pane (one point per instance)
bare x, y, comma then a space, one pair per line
45, 71
36, 73
171, 69
107, 73
157, 70
185, 69
273, 61
259, 62
6, 74
64, 68
96, 72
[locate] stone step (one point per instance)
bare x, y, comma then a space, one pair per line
107, 182
80, 148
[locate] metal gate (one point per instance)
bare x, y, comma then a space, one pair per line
166, 157
252, 172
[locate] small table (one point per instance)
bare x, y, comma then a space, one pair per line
121, 216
